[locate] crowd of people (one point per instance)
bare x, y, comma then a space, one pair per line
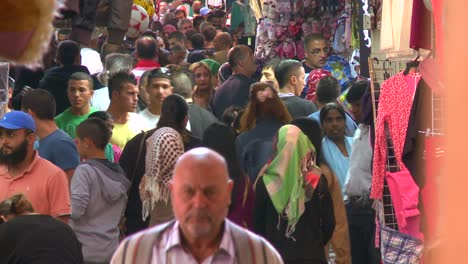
185, 148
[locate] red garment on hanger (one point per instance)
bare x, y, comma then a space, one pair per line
396, 99
421, 27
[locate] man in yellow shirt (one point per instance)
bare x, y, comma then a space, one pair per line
123, 93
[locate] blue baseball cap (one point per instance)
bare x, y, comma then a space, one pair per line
16, 120
204, 11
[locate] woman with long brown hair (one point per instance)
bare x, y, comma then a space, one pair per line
264, 115
203, 90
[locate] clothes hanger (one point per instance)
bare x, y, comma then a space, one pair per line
412, 64
386, 75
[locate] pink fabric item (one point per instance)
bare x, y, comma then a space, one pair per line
14, 43
117, 153
396, 99
314, 77
432, 74
404, 192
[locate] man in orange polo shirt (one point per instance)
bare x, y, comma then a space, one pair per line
23, 171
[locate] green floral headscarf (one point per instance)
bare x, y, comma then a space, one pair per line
284, 175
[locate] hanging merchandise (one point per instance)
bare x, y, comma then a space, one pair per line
396, 98
25, 30
339, 68
396, 28
285, 23
246, 14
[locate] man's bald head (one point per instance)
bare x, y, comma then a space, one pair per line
200, 193
196, 6
222, 41
146, 48
199, 159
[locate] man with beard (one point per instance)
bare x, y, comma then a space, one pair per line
200, 195
23, 171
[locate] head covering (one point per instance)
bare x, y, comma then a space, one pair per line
17, 120
168, 28
204, 11
284, 176
213, 65
314, 78
164, 147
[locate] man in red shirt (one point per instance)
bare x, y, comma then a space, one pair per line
147, 55
23, 171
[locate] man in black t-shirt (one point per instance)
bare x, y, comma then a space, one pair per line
34, 238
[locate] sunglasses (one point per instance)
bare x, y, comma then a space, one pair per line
161, 71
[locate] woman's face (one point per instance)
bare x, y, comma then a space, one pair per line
334, 125
202, 78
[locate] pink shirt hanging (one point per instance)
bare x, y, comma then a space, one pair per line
396, 99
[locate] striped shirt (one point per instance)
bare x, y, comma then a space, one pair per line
173, 252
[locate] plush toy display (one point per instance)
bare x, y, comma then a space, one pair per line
285, 24
25, 30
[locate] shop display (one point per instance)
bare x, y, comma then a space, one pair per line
285, 23
25, 42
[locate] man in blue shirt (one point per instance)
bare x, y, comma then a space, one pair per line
55, 145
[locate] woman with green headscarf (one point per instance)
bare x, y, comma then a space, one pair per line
293, 207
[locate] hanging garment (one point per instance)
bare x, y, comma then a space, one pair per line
419, 120
422, 118
421, 27
241, 13
396, 99
396, 28
405, 202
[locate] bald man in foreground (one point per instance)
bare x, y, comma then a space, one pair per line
201, 233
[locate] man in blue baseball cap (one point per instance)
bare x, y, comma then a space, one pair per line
23, 171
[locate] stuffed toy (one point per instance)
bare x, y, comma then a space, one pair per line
25, 30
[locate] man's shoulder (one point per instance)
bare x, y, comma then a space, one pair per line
245, 238
64, 116
205, 114
42, 165
59, 136
135, 142
140, 245
237, 231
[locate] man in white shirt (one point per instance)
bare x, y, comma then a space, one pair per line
158, 88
